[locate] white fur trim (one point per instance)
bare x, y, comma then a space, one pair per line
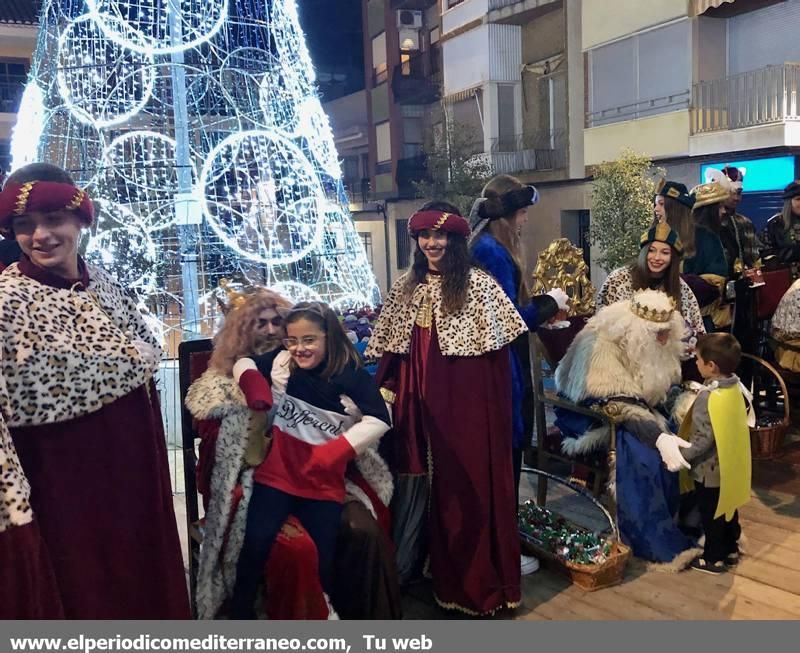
588, 442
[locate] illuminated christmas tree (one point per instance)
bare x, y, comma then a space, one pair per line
196, 126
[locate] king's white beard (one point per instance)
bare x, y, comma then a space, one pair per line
654, 367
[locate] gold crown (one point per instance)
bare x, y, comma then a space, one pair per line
235, 299
709, 193
653, 314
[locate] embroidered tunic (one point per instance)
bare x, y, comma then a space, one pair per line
84, 417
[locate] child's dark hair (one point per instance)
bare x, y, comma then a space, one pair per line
722, 349
340, 351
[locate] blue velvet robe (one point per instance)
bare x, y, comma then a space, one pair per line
648, 496
495, 259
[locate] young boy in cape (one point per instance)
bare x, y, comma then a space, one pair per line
717, 427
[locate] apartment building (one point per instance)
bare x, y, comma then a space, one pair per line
402, 60
17, 39
513, 73
693, 84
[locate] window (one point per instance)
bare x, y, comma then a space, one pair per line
380, 71
5, 159
453, 3
383, 141
366, 239
403, 244
629, 78
13, 75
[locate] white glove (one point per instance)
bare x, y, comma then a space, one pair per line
669, 446
562, 298
241, 366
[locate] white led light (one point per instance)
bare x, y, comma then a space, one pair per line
150, 102
30, 124
145, 25
101, 83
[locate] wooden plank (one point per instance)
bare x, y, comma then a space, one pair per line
760, 514
773, 553
549, 597
734, 598
772, 534
659, 591
617, 601
769, 574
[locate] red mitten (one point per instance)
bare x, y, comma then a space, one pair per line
328, 462
255, 387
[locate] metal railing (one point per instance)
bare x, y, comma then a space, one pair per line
500, 4
640, 109
757, 97
543, 150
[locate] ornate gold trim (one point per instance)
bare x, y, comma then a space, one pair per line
22, 197
76, 201
388, 396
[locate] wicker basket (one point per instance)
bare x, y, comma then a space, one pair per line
767, 441
587, 577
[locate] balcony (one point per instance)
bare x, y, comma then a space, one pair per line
759, 97
411, 4
518, 12
410, 170
757, 109
413, 83
640, 109
544, 150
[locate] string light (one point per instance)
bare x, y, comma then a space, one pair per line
197, 127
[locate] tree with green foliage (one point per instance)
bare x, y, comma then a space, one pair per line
457, 168
622, 207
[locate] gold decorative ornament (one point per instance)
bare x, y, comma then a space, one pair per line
76, 201
22, 197
561, 265
440, 222
424, 317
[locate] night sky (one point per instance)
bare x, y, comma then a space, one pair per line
333, 30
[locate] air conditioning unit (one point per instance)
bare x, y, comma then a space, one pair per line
409, 19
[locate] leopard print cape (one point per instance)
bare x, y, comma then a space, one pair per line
67, 352
487, 322
63, 356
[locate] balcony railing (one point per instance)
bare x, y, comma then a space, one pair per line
544, 150
412, 82
640, 109
758, 97
502, 4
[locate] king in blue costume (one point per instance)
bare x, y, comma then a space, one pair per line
623, 363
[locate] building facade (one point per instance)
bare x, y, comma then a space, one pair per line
697, 84
17, 39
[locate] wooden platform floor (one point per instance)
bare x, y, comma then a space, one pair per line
765, 585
